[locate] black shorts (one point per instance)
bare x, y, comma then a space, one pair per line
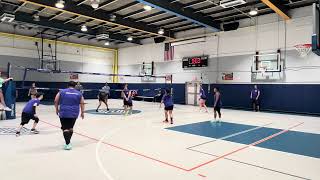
67, 123
168, 108
255, 102
126, 103
26, 117
217, 108
103, 96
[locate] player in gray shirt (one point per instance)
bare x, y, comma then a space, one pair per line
103, 96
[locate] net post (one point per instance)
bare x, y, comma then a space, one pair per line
9, 70
24, 77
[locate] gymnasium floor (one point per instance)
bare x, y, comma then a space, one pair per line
246, 145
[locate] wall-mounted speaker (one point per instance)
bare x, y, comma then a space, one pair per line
230, 26
159, 39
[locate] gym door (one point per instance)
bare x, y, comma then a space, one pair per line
192, 93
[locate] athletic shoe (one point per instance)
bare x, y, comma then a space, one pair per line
67, 147
17, 134
7, 109
97, 110
171, 120
108, 109
34, 131
165, 121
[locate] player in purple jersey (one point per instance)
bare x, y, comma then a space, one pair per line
217, 104
255, 98
68, 103
127, 100
203, 99
29, 112
168, 106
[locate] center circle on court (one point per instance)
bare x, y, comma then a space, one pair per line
110, 112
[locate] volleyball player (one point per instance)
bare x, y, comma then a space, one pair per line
168, 106
255, 98
103, 96
202, 100
2, 81
217, 104
79, 87
127, 100
29, 112
32, 91
68, 102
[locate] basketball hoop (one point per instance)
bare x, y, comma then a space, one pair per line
263, 70
303, 49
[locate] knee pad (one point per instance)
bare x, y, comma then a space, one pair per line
36, 120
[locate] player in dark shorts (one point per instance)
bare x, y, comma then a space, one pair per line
168, 106
32, 91
255, 98
29, 112
127, 100
68, 103
217, 104
103, 96
203, 99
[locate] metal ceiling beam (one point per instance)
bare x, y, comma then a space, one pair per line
194, 3
59, 25
56, 15
134, 13
150, 16
251, 3
278, 7
19, 7
123, 7
106, 3
188, 28
86, 11
186, 13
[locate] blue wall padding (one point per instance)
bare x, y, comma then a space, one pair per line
295, 98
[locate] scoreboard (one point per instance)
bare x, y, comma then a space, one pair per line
198, 61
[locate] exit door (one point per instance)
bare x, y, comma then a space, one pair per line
192, 93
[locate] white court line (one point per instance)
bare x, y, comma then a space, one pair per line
231, 135
98, 159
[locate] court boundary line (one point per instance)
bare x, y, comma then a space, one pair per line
253, 165
245, 147
176, 166
231, 135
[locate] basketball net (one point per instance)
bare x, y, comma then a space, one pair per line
303, 49
263, 70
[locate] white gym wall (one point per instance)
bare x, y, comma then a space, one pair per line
22, 51
235, 51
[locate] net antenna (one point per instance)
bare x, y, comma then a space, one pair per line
303, 49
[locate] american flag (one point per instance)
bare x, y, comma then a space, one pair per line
168, 52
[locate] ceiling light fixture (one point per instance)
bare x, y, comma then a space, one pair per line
161, 31
107, 43
253, 11
36, 17
84, 28
130, 38
95, 4
113, 17
147, 7
60, 4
